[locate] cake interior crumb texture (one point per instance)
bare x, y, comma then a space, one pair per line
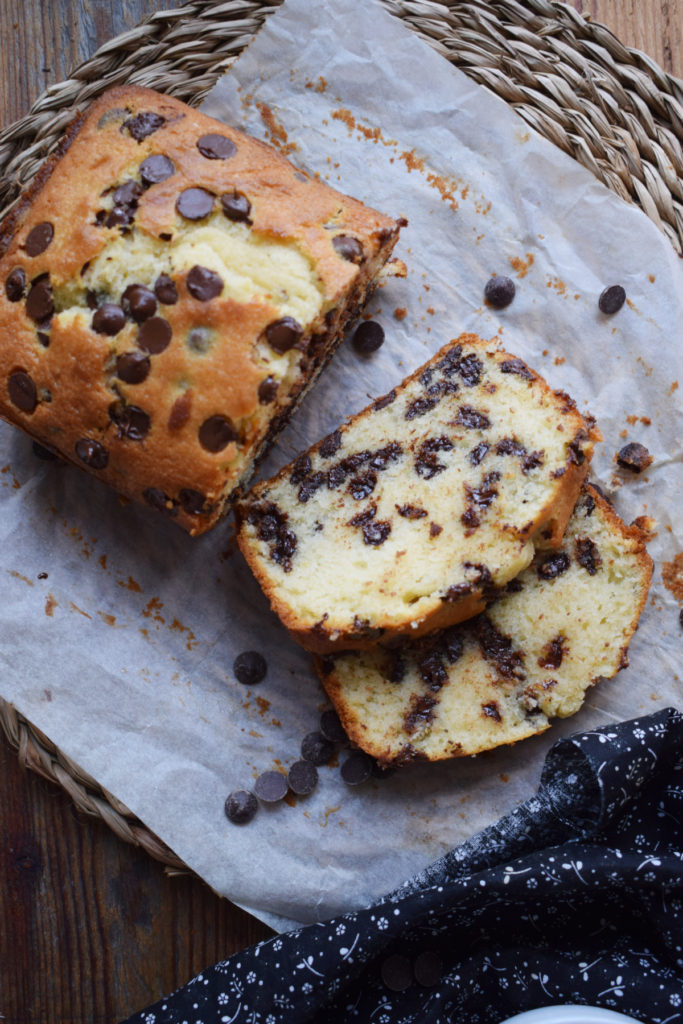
405, 518
563, 625
169, 289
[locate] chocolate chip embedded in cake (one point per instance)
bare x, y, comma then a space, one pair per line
412, 513
169, 268
502, 676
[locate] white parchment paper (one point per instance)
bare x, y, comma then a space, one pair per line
119, 632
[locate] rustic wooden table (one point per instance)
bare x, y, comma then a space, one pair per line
92, 927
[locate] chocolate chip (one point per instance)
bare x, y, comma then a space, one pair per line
348, 247
144, 124
216, 147
39, 302
240, 807
132, 367
120, 216
199, 340
216, 433
397, 973
302, 778
283, 334
108, 319
236, 206
330, 445
470, 369
478, 452
376, 533
680, 618
368, 337
194, 203
356, 769
154, 335
331, 727
634, 456
612, 299
43, 338
553, 565
15, 284
472, 419
271, 787
428, 968
204, 284
191, 501
316, 749
384, 401
587, 555
499, 292
22, 391
165, 290
157, 499
38, 239
411, 511
91, 299
518, 367
267, 390
156, 168
250, 668
92, 453
139, 301
131, 421
128, 193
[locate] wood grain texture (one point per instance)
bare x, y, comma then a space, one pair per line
92, 928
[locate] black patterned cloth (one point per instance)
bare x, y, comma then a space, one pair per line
574, 897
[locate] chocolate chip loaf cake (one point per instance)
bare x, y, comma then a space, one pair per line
409, 515
169, 287
560, 626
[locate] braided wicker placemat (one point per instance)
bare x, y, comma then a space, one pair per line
610, 107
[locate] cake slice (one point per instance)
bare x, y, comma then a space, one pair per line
559, 627
169, 288
409, 515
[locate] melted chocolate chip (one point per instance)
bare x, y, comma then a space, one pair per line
216, 433
348, 247
518, 367
361, 518
587, 555
356, 769
368, 337
271, 526
92, 453
128, 193
491, 710
411, 511
316, 749
310, 485
499, 292
156, 168
427, 464
612, 299
194, 203
39, 302
38, 238
283, 334
270, 787
302, 778
132, 367
267, 391
497, 648
15, 284
191, 501
236, 206
108, 319
240, 807
216, 147
131, 421
139, 302
120, 216
22, 391
383, 456
375, 533
478, 453
154, 335
199, 340
165, 290
472, 419
300, 469
420, 711
435, 530
552, 654
144, 124
204, 284
158, 500
471, 370
384, 401
553, 565
362, 486
634, 456
330, 445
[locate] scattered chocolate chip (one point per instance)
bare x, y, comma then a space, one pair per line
499, 292
144, 124
132, 367
330, 445
15, 284
348, 247
216, 147
204, 284
283, 334
38, 238
154, 335
216, 433
156, 168
397, 973
368, 337
302, 778
191, 501
553, 565
612, 299
22, 391
267, 390
316, 749
131, 421
194, 203
270, 787
108, 319
240, 807
250, 668
139, 302
357, 768
331, 727
165, 290
39, 302
120, 216
428, 968
236, 207
92, 453
634, 456
45, 453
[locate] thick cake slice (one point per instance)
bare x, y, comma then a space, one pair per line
169, 287
557, 629
409, 515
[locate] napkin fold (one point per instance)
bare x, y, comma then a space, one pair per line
573, 897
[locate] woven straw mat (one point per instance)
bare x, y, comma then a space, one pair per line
610, 107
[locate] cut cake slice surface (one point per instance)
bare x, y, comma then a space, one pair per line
408, 515
564, 624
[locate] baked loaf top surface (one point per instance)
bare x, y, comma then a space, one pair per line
408, 515
563, 624
168, 285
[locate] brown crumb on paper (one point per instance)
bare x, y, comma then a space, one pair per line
672, 576
400, 313
522, 266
